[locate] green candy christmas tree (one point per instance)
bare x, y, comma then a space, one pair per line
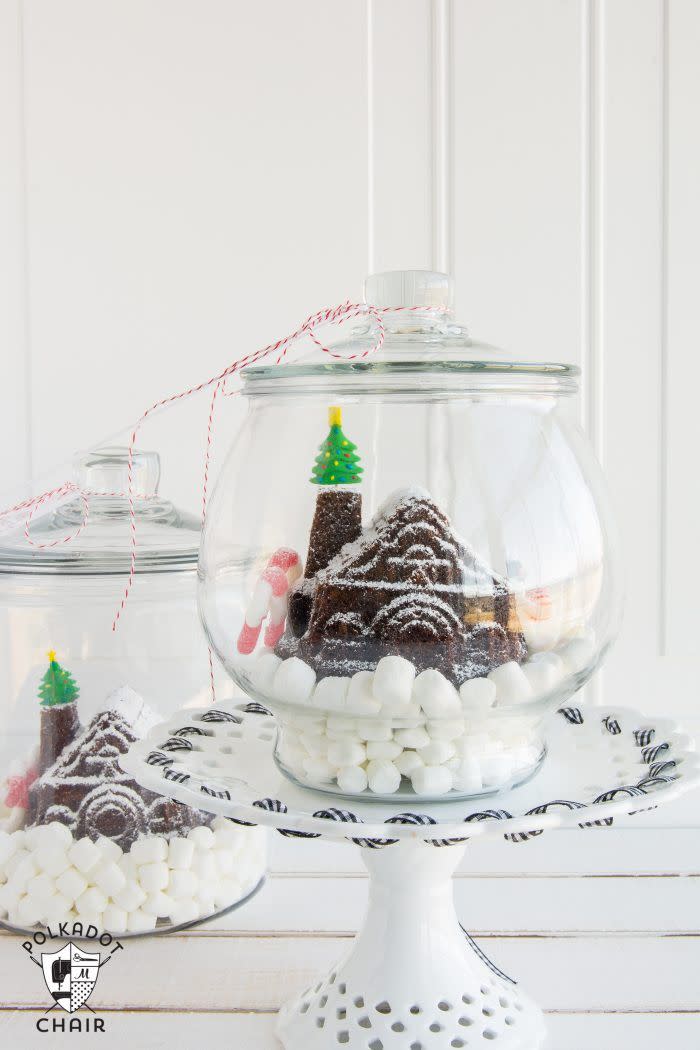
337, 462
58, 685
60, 724
338, 514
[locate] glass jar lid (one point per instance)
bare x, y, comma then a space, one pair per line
421, 340
89, 532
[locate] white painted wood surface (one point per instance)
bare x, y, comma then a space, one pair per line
180, 181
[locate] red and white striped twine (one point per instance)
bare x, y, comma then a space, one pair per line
341, 314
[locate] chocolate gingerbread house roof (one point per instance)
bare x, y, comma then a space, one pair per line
411, 545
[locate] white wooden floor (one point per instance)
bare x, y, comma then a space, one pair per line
602, 927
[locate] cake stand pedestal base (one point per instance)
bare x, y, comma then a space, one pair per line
413, 979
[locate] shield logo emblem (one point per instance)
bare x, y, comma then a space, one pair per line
70, 975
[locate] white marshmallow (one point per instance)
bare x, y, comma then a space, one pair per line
225, 862
467, 776
114, 919
108, 877
417, 737
511, 684
52, 834
437, 697
263, 670
577, 654
202, 837
56, 909
148, 849
9, 897
130, 897
542, 676
478, 694
159, 904
204, 866
375, 730
182, 884
71, 884
92, 900
348, 753
84, 855
319, 770
154, 876
228, 891
342, 725
360, 699
432, 780
496, 769
181, 852
23, 869
383, 776
352, 780
331, 693
393, 681
28, 911
437, 752
294, 681
383, 749
185, 910
139, 922
9, 845
446, 728
42, 886
315, 744
51, 859
109, 849
408, 762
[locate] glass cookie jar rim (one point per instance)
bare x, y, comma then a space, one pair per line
458, 376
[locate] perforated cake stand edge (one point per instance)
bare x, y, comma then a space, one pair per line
413, 979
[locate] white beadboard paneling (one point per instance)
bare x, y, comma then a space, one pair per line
261, 972
682, 363
517, 174
399, 129
160, 1031
14, 346
629, 306
197, 185
570, 853
615, 904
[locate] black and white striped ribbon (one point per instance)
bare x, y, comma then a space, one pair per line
177, 743
254, 708
176, 775
157, 758
572, 715
215, 715
643, 737
190, 731
612, 725
537, 811
651, 754
422, 820
215, 793
345, 816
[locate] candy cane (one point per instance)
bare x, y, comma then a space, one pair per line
270, 597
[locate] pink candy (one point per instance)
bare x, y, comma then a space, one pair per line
270, 596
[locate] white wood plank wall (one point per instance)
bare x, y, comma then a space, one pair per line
183, 180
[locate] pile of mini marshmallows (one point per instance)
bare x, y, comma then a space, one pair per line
368, 731
47, 876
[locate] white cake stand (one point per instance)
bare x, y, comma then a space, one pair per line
413, 978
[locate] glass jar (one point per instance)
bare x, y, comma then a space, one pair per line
79, 839
408, 556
